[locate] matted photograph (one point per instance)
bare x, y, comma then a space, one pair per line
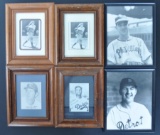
31, 95
30, 38
30, 34
129, 35
129, 100
79, 35
30, 100
79, 97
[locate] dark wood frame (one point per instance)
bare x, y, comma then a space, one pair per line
11, 10
98, 74
98, 10
13, 120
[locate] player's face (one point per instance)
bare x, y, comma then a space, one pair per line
30, 95
128, 93
122, 28
78, 91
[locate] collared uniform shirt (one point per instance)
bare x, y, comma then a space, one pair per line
137, 117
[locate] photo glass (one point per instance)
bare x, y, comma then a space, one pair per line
31, 95
79, 35
79, 97
129, 35
30, 34
30, 30
129, 100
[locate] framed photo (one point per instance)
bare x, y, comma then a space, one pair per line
79, 97
130, 100
30, 96
130, 35
30, 33
79, 34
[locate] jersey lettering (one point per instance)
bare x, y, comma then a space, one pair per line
127, 49
129, 124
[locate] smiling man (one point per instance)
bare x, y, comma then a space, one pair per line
128, 115
126, 49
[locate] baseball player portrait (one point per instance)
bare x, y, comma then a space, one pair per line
128, 114
126, 48
79, 99
30, 38
30, 95
80, 35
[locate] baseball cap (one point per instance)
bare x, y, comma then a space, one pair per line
127, 81
32, 86
121, 18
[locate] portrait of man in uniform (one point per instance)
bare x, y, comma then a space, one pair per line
79, 97
129, 101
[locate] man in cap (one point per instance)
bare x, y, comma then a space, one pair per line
79, 103
31, 91
128, 115
126, 49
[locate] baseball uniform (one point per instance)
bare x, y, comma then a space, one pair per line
130, 52
79, 35
136, 117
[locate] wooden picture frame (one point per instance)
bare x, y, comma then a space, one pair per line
24, 108
65, 78
79, 34
30, 33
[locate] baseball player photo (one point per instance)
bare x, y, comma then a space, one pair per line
30, 34
129, 35
129, 101
79, 97
79, 35
31, 95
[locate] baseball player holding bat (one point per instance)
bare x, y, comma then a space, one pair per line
126, 49
79, 30
128, 115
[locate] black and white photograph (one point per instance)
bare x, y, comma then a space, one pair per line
30, 34
79, 97
31, 95
30, 30
79, 35
129, 35
129, 100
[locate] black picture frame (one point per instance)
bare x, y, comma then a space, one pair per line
152, 36
137, 75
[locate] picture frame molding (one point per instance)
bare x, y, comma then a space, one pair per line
98, 10
12, 118
97, 73
11, 11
